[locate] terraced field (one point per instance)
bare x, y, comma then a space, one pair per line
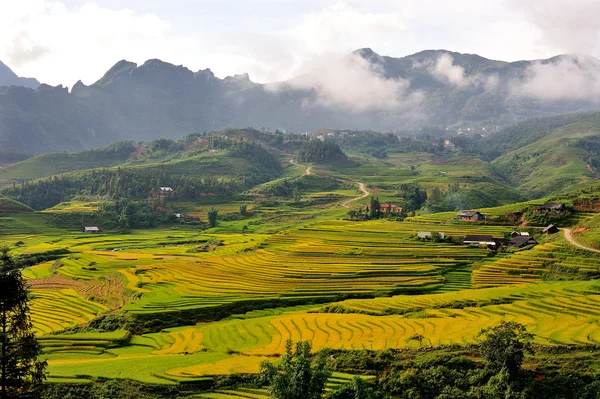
162, 272
563, 313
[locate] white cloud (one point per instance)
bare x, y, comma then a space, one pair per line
341, 27
72, 43
569, 78
564, 26
445, 70
350, 82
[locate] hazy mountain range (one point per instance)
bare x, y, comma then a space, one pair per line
362, 90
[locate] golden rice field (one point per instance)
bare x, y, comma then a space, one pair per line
556, 312
151, 272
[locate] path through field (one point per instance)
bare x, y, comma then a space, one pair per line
361, 186
308, 170
569, 237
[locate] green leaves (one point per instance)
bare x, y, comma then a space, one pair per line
297, 376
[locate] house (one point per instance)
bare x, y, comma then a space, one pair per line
166, 190
550, 207
519, 233
390, 208
480, 240
470, 216
179, 215
426, 235
552, 229
521, 241
91, 230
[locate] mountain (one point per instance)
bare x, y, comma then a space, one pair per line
9, 78
438, 88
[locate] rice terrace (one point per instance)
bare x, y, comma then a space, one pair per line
178, 289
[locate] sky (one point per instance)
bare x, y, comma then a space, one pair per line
63, 41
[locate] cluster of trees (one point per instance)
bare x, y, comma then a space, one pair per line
378, 144
122, 213
456, 198
115, 184
317, 151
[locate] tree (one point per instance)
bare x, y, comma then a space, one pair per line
505, 346
374, 208
296, 377
414, 196
297, 194
213, 213
243, 209
21, 374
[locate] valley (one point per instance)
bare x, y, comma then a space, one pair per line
212, 251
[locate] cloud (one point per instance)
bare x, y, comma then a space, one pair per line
350, 27
350, 82
23, 50
445, 70
565, 26
71, 43
569, 77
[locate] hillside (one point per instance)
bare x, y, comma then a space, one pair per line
59, 163
192, 167
8, 206
558, 159
157, 99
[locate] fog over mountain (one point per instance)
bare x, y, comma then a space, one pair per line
361, 90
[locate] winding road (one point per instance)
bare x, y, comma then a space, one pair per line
569, 237
361, 186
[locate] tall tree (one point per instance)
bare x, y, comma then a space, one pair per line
296, 377
374, 208
504, 347
21, 374
212, 214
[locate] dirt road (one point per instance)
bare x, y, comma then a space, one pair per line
361, 186
569, 237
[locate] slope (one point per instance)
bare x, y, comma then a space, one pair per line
560, 160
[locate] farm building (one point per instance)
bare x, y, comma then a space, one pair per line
470, 216
550, 207
480, 240
426, 235
91, 230
519, 233
521, 241
390, 208
552, 229
166, 190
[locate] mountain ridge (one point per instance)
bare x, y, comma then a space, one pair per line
158, 99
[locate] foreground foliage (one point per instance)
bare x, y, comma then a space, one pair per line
21, 374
